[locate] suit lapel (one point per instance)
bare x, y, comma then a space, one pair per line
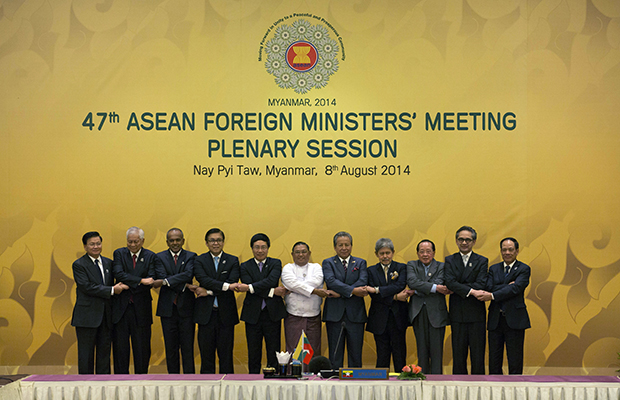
222, 268
513, 271
432, 270
106, 271
93, 269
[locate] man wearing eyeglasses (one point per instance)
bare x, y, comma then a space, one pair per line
215, 310
304, 280
466, 272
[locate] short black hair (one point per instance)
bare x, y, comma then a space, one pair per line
511, 239
474, 235
214, 230
417, 249
89, 235
172, 230
260, 236
300, 243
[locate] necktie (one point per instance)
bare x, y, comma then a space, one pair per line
385, 271
176, 258
100, 270
260, 268
216, 261
507, 270
344, 264
465, 259
134, 261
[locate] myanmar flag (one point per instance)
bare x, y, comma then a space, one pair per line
303, 351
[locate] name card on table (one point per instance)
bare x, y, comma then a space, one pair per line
364, 373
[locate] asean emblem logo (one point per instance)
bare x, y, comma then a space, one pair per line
301, 56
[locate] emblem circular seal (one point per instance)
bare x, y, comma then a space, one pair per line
301, 56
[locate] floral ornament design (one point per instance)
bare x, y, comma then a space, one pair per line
412, 371
318, 68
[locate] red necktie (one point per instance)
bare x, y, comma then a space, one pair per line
134, 261
344, 264
176, 257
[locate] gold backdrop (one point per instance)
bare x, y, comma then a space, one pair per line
550, 180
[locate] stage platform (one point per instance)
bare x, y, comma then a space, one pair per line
244, 386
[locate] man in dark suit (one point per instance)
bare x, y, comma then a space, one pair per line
132, 312
427, 307
344, 311
92, 314
387, 317
466, 271
508, 316
216, 307
263, 307
175, 306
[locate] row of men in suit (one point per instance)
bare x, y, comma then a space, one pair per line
346, 277
468, 281
119, 315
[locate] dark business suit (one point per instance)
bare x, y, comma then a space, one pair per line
508, 316
346, 313
92, 314
467, 314
387, 318
428, 314
262, 322
132, 314
216, 325
175, 307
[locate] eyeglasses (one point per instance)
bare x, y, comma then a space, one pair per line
464, 240
215, 240
300, 252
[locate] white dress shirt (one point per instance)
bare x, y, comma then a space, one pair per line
301, 281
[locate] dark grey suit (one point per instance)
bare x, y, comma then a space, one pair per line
347, 311
428, 314
508, 316
92, 314
175, 307
467, 314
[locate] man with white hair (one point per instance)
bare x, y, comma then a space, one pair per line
132, 314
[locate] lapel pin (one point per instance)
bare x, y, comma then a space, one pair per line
223, 261
142, 260
429, 274
470, 264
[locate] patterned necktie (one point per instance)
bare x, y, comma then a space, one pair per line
465, 259
260, 268
344, 264
507, 270
216, 261
134, 261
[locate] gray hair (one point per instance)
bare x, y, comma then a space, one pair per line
135, 229
384, 242
342, 234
